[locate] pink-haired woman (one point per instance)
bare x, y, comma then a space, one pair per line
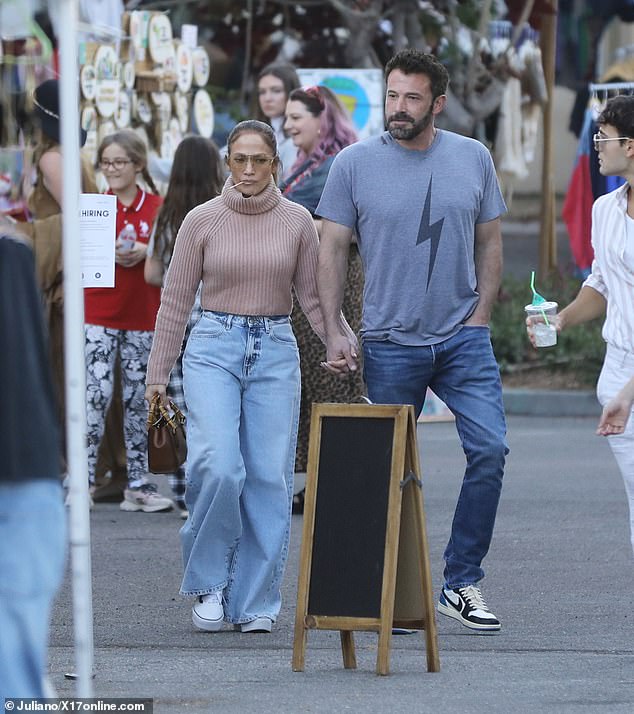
319, 126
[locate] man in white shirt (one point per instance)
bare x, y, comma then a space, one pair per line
609, 289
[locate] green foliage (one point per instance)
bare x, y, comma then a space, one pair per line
227, 100
469, 13
579, 349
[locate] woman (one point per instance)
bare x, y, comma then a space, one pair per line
249, 247
275, 83
44, 202
120, 320
320, 127
196, 176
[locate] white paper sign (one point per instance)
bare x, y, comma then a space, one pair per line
189, 35
97, 227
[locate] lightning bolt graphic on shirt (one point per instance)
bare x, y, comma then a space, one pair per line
429, 232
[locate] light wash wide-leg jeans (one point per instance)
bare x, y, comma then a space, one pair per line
242, 388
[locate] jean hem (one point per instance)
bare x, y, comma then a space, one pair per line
203, 591
243, 621
461, 585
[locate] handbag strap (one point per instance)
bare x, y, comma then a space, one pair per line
158, 413
153, 415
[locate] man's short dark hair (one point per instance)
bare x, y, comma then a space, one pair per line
416, 62
619, 113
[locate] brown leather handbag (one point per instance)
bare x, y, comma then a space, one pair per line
166, 444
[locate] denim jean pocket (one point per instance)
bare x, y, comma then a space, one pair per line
208, 326
283, 333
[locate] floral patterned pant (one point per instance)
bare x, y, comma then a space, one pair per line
133, 346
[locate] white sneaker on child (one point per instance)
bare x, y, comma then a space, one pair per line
145, 498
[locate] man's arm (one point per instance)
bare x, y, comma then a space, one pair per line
488, 268
334, 246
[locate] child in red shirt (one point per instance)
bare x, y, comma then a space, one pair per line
120, 320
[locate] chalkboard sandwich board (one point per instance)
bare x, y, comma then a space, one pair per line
364, 562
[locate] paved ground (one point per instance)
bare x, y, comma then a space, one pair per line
560, 578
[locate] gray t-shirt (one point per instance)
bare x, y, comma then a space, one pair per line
414, 213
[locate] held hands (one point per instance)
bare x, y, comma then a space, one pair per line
341, 356
130, 257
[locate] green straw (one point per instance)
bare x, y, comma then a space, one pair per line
537, 298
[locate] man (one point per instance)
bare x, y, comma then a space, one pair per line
425, 205
32, 519
611, 284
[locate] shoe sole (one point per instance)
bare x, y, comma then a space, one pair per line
206, 625
260, 625
450, 612
133, 507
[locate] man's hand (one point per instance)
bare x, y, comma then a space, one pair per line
341, 356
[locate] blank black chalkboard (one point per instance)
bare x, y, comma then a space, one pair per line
355, 462
364, 561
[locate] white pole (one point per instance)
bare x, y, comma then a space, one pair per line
74, 351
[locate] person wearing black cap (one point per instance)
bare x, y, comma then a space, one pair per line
46, 103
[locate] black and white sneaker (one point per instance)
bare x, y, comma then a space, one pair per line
468, 607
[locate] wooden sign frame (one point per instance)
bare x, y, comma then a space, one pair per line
406, 596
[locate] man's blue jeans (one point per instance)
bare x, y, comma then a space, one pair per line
463, 372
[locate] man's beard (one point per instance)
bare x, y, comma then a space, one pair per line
407, 133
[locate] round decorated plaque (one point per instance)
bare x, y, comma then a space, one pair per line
160, 38
181, 109
107, 82
88, 81
128, 75
201, 66
143, 109
106, 61
184, 68
124, 110
138, 33
89, 122
88, 118
203, 113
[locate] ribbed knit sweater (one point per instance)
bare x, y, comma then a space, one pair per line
249, 253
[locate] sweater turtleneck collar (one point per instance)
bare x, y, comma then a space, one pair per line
260, 203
